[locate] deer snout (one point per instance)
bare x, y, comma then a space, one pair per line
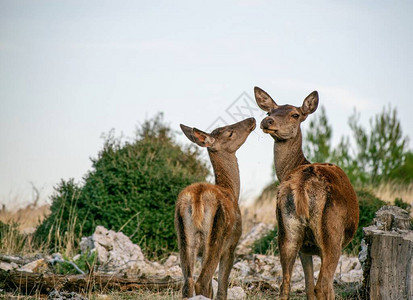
252, 123
267, 123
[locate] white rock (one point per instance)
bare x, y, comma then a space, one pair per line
8, 266
352, 276
346, 264
199, 297
76, 257
33, 266
116, 252
242, 267
236, 293
172, 260
258, 231
215, 286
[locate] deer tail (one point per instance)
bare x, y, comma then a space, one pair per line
198, 214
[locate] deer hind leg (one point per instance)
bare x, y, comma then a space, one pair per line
324, 288
225, 267
290, 235
212, 254
330, 255
187, 253
307, 262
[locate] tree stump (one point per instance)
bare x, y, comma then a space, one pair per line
386, 256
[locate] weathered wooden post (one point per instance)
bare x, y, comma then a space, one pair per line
386, 256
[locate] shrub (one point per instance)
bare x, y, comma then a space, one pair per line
132, 188
368, 205
60, 229
267, 244
404, 205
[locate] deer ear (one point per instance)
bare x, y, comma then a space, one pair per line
197, 136
264, 100
310, 103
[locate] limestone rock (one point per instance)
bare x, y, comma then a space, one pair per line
199, 297
8, 266
268, 268
116, 253
114, 249
59, 295
258, 231
236, 293
37, 266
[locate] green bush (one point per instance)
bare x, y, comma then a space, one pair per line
267, 244
132, 188
83, 262
368, 205
62, 226
404, 205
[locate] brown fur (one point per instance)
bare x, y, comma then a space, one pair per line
317, 208
207, 216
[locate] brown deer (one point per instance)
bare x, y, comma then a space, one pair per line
207, 216
317, 208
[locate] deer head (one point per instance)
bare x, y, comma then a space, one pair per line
283, 122
228, 138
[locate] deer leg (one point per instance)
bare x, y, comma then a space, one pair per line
289, 244
324, 288
203, 285
225, 266
330, 255
212, 255
187, 253
307, 262
288, 254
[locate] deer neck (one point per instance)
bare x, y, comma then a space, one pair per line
226, 171
288, 155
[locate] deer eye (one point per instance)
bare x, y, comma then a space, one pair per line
230, 134
295, 116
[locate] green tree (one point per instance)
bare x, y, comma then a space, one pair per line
404, 173
379, 150
317, 141
131, 187
370, 156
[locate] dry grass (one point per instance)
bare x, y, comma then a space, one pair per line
262, 210
344, 291
16, 234
27, 218
389, 191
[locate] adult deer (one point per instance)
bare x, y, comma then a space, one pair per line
207, 216
317, 208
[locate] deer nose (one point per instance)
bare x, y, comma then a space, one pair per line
267, 122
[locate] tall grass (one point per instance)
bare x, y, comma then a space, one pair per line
17, 227
262, 210
17, 231
391, 190
27, 218
64, 241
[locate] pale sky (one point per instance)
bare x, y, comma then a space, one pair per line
72, 70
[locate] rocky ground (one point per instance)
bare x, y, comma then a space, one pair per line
116, 254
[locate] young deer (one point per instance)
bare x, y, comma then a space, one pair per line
207, 216
317, 208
